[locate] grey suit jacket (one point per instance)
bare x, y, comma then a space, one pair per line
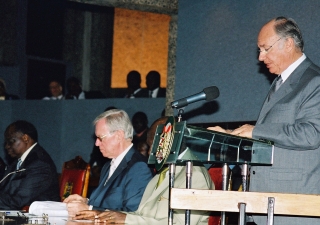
292, 120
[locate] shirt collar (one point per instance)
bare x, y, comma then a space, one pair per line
25, 154
285, 74
82, 96
155, 92
119, 158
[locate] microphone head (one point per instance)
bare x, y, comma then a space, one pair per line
211, 93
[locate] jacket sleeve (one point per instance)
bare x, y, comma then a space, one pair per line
24, 187
296, 124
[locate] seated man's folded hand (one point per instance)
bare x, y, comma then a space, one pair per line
75, 207
76, 198
111, 217
87, 215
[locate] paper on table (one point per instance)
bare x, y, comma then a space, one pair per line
48, 207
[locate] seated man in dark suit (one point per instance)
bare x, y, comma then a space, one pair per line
153, 85
124, 178
37, 179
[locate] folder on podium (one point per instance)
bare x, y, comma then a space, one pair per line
208, 146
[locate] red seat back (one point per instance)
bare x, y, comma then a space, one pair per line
74, 178
216, 176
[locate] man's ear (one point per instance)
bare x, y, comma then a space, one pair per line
25, 138
289, 44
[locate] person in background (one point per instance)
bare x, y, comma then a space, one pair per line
56, 91
123, 179
75, 91
140, 127
33, 175
289, 117
3, 93
134, 89
153, 85
153, 208
143, 148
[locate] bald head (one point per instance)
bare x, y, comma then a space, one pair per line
280, 44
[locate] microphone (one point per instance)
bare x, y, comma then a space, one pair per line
208, 94
13, 172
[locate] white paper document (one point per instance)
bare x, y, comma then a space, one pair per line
49, 207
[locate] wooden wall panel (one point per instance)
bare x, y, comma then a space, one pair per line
140, 43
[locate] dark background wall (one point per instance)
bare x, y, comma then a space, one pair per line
216, 45
65, 127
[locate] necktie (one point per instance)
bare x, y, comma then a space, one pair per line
111, 170
19, 163
150, 94
276, 86
162, 175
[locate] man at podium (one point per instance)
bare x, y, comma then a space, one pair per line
289, 117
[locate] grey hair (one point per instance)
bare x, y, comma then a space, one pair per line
117, 119
287, 27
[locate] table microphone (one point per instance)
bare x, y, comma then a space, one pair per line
13, 172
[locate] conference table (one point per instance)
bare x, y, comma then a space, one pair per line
17, 217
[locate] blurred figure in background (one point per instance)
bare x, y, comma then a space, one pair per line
134, 89
75, 91
153, 85
140, 126
3, 94
56, 91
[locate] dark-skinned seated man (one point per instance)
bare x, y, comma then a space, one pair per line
38, 179
153, 208
124, 178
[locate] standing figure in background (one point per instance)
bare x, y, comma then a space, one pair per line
33, 175
153, 85
3, 93
134, 89
56, 91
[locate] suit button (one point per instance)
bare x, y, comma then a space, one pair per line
253, 172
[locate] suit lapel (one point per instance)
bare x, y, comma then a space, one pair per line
287, 87
122, 166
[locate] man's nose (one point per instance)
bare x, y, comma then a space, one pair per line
262, 56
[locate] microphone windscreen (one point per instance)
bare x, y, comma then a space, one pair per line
211, 93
